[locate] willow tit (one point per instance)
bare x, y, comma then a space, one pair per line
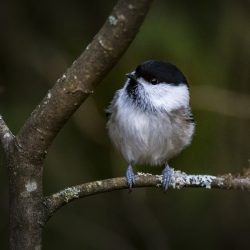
150, 120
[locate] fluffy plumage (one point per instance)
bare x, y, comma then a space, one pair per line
150, 120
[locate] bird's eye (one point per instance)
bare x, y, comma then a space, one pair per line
154, 81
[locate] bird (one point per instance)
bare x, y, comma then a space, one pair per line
150, 119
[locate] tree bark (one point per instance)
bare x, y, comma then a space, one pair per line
26, 194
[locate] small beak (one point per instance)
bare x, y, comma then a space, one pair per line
131, 76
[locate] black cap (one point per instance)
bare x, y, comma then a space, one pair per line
155, 71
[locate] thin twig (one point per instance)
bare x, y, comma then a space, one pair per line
6, 135
179, 180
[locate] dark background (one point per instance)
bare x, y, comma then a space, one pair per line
210, 42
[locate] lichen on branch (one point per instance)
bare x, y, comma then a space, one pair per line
179, 180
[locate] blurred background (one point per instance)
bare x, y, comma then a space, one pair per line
210, 42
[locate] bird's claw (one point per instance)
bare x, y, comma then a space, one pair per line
130, 177
166, 177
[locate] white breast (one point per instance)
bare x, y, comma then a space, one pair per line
145, 137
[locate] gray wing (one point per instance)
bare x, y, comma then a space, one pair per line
189, 115
185, 113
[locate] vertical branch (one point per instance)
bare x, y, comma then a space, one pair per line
25, 200
81, 78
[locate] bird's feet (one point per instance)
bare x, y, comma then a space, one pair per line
166, 177
130, 177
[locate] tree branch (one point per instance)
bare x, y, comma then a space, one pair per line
6, 136
82, 77
179, 180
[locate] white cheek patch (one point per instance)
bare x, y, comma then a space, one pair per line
166, 96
